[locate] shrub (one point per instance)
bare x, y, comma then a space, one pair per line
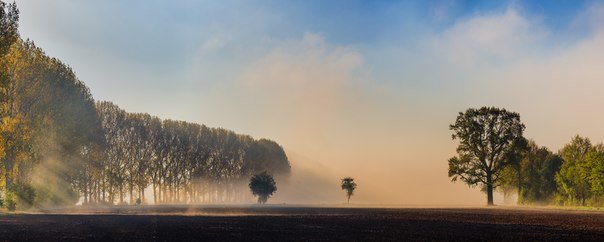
25, 195
11, 201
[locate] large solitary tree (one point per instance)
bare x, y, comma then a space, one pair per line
486, 137
263, 185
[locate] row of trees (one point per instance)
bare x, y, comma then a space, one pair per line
57, 145
572, 176
493, 154
47, 118
180, 161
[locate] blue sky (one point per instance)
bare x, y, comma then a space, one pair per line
341, 83
133, 28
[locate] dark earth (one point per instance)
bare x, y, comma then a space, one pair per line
270, 223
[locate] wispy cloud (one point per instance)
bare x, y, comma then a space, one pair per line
494, 38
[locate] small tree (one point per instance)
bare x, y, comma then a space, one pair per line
349, 185
263, 185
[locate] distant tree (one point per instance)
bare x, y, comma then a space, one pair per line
594, 162
597, 174
538, 168
262, 185
486, 137
349, 185
512, 175
573, 177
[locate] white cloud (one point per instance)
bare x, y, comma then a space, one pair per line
493, 38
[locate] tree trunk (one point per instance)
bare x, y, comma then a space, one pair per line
131, 195
141, 194
154, 194
160, 193
86, 198
104, 191
8, 169
111, 194
121, 194
519, 184
489, 189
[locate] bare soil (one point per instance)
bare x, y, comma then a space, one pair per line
279, 223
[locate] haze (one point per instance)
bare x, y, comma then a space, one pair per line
361, 89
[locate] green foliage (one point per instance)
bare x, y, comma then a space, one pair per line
9, 23
266, 155
511, 176
487, 138
11, 201
575, 187
13, 130
54, 191
24, 195
349, 185
596, 175
538, 171
51, 121
571, 177
263, 185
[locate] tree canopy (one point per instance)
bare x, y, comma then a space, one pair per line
263, 186
579, 157
486, 137
349, 185
572, 176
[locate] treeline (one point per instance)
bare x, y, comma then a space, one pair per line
181, 161
493, 154
57, 145
572, 176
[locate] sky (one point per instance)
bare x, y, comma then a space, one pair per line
349, 88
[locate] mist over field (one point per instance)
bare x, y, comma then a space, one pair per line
340, 120
366, 91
